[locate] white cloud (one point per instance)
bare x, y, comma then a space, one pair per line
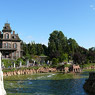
92, 7
29, 37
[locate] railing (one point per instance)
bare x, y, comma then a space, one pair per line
8, 49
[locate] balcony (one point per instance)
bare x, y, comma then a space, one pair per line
8, 49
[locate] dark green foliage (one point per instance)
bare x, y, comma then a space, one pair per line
91, 55
18, 61
34, 49
64, 56
57, 44
55, 61
72, 46
79, 58
60, 49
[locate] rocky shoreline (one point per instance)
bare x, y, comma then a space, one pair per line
30, 71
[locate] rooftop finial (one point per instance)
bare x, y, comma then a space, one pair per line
7, 21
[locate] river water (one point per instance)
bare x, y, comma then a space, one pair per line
46, 84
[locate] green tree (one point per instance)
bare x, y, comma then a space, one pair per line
39, 49
72, 46
57, 44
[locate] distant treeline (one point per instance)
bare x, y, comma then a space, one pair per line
61, 49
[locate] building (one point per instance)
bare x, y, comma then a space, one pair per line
10, 43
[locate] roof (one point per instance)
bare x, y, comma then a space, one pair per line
6, 28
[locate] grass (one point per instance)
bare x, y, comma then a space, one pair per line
88, 70
24, 68
9, 70
16, 69
88, 65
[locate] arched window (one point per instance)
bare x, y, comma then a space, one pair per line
6, 45
9, 45
7, 36
15, 45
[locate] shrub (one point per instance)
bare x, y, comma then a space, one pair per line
7, 63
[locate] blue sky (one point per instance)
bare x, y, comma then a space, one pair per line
34, 20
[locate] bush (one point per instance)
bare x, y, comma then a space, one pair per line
18, 61
7, 63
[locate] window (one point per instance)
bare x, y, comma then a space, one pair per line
9, 45
7, 36
14, 37
15, 45
6, 45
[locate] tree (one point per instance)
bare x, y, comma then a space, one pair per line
57, 44
33, 50
39, 49
72, 45
55, 61
91, 55
79, 58
25, 48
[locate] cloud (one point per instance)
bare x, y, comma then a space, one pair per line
29, 37
92, 7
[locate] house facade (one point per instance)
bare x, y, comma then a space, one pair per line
10, 43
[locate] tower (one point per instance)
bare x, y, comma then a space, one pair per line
10, 43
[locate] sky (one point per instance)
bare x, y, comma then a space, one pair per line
34, 20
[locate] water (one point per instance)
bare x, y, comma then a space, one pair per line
46, 84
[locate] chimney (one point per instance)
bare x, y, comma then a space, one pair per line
13, 32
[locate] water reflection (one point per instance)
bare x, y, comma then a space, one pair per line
50, 86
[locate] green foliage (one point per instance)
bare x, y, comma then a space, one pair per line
57, 44
60, 49
67, 65
55, 61
20, 60
63, 57
7, 63
72, 46
9, 70
87, 65
27, 56
34, 49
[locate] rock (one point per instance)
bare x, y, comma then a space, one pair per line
89, 85
30, 71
